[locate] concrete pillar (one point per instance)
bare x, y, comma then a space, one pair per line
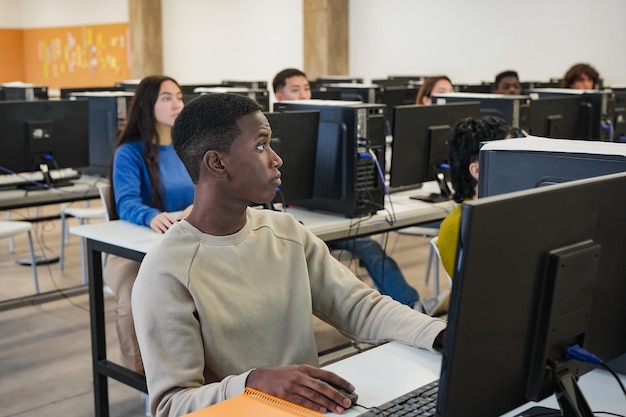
326, 34
146, 46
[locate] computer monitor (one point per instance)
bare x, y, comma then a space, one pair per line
596, 106
323, 93
44, 136
386, 82
294, 139
333, 79
349, 158
484, 87
536, 271
28, 92
108, 111
261, 96
392, 96
419, 149
68, 92
365, 93
404, 79
513, 165
555, 117
513, 109
253, 84
619, 115
189, 93
527, 85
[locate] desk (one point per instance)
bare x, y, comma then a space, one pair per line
84, 188
131, 241
404, 368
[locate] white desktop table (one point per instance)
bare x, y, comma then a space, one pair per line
131, 241
84, 188
390, 370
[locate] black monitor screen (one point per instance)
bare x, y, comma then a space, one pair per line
536, 272
555, 117
419, 149
34, 132
294, 138
393, 96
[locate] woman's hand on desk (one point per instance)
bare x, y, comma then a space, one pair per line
162, 221
303, 385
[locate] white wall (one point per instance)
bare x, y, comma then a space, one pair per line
9, 14
54, 13
212, 40
469, 40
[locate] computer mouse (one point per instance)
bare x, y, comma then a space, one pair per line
351, 395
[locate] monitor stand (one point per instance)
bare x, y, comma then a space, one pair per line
572, 402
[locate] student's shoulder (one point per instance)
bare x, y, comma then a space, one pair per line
128, 148
176, 239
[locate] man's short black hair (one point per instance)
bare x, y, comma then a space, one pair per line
209, 122
504, 74
280, 79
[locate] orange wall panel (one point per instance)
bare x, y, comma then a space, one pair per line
77, 56
11, 55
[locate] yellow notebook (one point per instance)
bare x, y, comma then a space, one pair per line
254, 403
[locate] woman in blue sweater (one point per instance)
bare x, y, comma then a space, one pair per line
149, 187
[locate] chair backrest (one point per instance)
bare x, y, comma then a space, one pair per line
433, 244
103, 189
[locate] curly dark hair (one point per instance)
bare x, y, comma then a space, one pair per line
209, 122
464, 145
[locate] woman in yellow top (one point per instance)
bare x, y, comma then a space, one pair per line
464, 145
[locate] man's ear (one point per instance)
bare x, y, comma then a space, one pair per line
213, 160
473, 170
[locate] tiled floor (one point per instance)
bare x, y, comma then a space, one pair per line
45, 349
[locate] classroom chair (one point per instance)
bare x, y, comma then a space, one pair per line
84, 214
11, 228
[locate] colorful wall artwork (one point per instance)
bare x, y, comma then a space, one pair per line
78, 56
